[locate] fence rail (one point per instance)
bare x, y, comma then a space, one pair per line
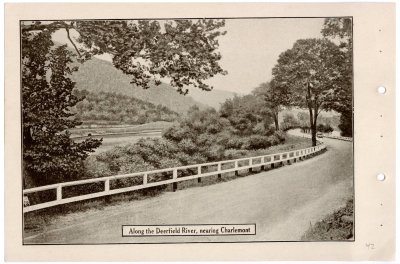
340, 138
249, 163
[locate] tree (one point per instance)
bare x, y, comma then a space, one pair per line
340, 30
185, 51
289, 121
245, 112
346, 124
304, 121
325, 128
312, 72
48, 152
273, 97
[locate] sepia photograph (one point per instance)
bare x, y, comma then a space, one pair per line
187, 130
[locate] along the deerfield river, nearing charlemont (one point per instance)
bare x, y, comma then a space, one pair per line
283, 203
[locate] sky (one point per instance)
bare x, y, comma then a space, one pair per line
251, 48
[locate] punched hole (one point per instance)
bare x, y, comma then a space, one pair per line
380, 177
382, 89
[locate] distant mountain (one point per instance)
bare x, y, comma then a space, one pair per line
212, 98
98, 75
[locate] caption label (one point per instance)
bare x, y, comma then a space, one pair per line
188, 230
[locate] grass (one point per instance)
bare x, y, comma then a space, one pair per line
337, 226
37, 221
158, 125
110, 142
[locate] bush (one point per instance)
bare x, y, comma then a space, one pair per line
280, 135
337, 226
274, 140
235, 153
95, 168
235, 142
201, 136
258, 142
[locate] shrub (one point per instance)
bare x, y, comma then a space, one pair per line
274, 140
256, 142
235, 153
234, 142
95, 168
280, 135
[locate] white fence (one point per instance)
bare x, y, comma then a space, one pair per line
340, 138
236, 165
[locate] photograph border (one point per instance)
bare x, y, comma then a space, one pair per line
193, 242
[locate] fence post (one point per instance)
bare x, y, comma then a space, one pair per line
59, 192
107, 198
262, 162
175, 176
236, 168
199, 173
145, 179
219, 169
107, 185
251, 164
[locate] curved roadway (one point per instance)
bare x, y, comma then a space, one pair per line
282, 202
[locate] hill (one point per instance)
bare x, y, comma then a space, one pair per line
98, 75
114, 108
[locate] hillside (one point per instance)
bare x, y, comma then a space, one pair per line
114, 108
98, 75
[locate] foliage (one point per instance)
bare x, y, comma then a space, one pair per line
289, 122
247, 114
123, 109
346, 124
274, 99
201, 136
340, 30
337, 226
49, 154
238, 125
312, 72
185, 51
324, 128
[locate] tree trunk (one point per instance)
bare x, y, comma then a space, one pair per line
313, 127
314, 135
313, 117
276, 120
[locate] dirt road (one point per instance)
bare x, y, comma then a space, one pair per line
282, 202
